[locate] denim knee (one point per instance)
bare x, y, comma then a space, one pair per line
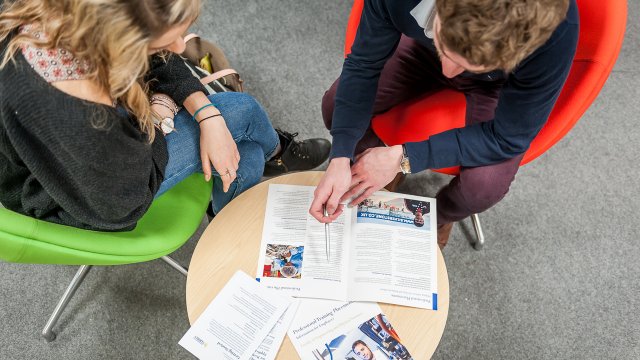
239, 110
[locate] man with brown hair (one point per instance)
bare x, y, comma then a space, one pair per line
509, 57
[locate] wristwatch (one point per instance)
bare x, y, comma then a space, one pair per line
165, 124
405, 166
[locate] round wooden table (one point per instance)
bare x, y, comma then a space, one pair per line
231, 242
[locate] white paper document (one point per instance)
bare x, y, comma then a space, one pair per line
237, 321
384, 249
331, 330
270, 346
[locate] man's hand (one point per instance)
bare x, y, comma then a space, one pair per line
334, 184
373, 169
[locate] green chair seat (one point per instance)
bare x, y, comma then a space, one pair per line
168, 224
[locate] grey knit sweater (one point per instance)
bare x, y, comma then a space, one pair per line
74, 162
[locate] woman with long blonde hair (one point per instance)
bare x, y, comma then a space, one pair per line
83, 87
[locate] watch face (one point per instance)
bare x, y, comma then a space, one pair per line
167, 125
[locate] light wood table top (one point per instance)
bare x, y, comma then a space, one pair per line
232, 242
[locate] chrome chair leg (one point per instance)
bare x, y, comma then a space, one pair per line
47, 332
479, 234
176, 265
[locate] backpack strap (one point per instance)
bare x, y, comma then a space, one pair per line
190, 36
220, 74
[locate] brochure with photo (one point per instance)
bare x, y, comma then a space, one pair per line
384, 249
331, 330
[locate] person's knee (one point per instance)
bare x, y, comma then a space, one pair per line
482, 192
237, 105
328, 104
327, 109
242, 113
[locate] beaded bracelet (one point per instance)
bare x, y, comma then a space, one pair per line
166, 101
157, 102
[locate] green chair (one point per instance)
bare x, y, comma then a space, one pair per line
170, 222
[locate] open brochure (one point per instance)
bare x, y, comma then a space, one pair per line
382, 250
328, 330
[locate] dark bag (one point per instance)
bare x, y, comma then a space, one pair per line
208, 63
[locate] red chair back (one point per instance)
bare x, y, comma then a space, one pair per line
602, 26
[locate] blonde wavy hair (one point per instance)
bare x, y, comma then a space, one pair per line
498, 34
113, 36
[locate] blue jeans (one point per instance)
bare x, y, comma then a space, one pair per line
250, 128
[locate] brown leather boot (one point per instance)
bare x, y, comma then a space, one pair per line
443, 234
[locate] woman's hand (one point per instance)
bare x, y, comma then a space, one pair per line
217, 147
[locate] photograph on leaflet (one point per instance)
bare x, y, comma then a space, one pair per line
391, 210
283, 261
374, 339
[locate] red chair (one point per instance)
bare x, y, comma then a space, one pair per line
602, 26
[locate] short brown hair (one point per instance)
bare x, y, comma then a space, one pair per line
498, 34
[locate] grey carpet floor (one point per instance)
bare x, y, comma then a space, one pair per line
558, 279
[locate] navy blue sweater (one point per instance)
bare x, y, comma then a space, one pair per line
523, 106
